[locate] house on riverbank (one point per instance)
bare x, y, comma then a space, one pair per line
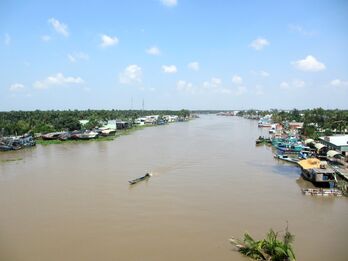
337, 142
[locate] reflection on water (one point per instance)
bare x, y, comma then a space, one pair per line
73, 201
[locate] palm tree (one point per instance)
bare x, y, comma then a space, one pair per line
249, 247
269, 248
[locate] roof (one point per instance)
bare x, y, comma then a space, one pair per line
307, 141
296, 124
337, 140
311, 163
319, 146
83, 122
332, 153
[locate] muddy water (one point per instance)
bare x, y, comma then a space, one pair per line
73, 201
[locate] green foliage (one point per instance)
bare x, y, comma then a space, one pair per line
184, 113
20, 122
43, 128
270, 248
311, 131
327, 132
92, 123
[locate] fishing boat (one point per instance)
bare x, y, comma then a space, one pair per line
88, 135
108, 132
286, 158
52, 135
321, 192
4, 147
135, 181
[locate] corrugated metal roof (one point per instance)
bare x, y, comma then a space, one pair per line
337, 140
319, 146
332, 153
307, 141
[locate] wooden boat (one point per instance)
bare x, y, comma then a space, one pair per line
286, 158
321, 192
5, 147
51, 135
108, 132
135, 181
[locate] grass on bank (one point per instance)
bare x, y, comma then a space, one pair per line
9, 160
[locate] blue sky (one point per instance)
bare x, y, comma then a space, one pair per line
174, 54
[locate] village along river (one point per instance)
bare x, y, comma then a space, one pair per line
73, 201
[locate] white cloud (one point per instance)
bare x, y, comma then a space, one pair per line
259, 43
194, 66
107, 40
184, 86
131, 74
212, 86
46, 38
339, 83
154, 50
298, 83
59, 27
284, 85
169, 3
214, 83
261, 73
7, 39
236, 79
78, 56
309, 64
240, 90
264, 74
258, 90
294, 84
225, 91
16, 87
57, 80
169, 68
301, 30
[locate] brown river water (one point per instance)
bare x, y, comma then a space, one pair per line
73, 201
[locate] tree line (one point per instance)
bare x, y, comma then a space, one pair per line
21, 122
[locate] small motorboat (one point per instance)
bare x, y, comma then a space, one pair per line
286, 158
135, 181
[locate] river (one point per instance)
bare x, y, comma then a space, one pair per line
210, 182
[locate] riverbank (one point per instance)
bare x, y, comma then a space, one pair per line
98, 139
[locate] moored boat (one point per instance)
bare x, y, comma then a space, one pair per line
321, 192
51, 135
286, 158
318, 172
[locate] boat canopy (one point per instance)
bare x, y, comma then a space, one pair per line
319, 146
311, 163
332, 153
308, 141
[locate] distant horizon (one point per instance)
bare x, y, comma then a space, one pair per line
173, 54
213, 110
